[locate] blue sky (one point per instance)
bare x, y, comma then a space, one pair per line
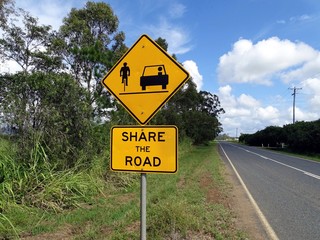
248, 52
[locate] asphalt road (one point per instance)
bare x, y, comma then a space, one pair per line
286, 189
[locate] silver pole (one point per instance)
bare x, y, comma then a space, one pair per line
294, 105
143, 206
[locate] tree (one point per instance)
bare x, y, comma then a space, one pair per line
51, 106
201, 127
90, 44
162, 43
6, 8
303, 136
210, 104
273, 136
195, 113
186, 99
29, 45
44, 102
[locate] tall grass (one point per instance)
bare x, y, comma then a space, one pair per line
36, 183
179, 205
3, 218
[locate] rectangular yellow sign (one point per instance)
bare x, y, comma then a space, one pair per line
151, 149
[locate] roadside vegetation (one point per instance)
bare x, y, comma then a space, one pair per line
55, 120
98, 204
298, 138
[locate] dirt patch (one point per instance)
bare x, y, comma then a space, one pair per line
246, 217
134, 227
181, 183
106, 230
126, 197
65, 233
213, 194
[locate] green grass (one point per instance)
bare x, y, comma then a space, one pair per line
180, 205
313, 157
190, 204
309, 156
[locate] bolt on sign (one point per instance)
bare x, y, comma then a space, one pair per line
144, 79
151, 149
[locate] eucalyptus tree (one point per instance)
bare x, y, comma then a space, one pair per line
162, 43
6, 8
210, 104
90, 43
48, 109
40, 102
28, 44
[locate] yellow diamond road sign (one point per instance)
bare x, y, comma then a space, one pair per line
144, 79
148, 148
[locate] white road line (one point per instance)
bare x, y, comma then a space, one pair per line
286, 165
312, 175
269, 230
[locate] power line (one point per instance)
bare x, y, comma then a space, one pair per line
294, 103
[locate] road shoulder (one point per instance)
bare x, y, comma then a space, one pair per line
246, 217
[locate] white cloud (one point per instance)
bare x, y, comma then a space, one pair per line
176, 37
312, 85
237, 112
248, 101
281, 21
307, 70
225, 90
192, 68
176, 10
264, 63
228, 100
302, 115
259, 63
311, 88
49, 12
10, 67
305, 18
302, 18
247, 113
315, 101
267, 113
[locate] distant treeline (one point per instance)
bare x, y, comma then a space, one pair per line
302, 137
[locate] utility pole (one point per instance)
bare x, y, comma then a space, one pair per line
294, 103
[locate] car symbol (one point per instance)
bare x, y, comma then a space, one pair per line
154, 75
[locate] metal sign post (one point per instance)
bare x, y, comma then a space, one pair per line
143, 206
